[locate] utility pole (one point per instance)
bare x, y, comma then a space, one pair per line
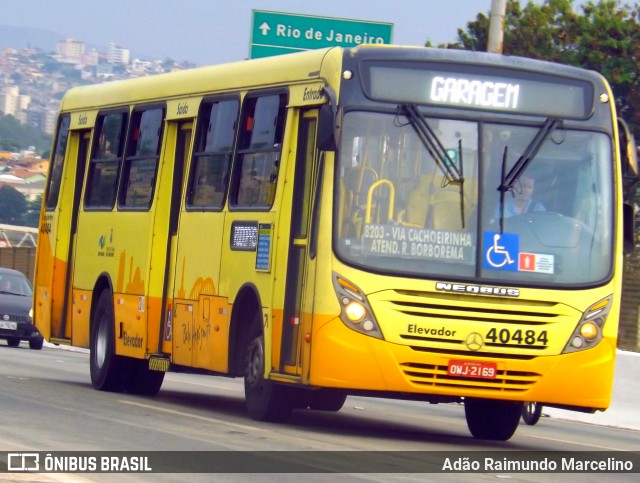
496, 26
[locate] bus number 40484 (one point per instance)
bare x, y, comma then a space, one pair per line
517, 337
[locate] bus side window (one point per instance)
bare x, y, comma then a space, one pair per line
259, 145
212, 153
55, 177
141, 162
108, 142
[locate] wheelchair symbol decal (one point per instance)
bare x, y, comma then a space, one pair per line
501, 251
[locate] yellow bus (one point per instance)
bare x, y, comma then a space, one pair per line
409, 223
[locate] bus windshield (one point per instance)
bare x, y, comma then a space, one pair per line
400, 213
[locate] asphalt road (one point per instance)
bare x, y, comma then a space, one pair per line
47, 404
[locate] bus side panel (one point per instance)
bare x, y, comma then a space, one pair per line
80, 318
119, 247
131, 325
197, 311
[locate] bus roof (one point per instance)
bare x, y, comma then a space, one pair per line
288, 68
297, 67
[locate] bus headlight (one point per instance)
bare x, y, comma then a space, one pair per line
588, 332
355, 310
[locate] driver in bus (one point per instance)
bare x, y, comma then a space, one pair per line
521, 200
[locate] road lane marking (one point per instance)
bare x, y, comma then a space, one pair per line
602, 448
193, 416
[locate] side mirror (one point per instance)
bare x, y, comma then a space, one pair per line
327, 133
628, 160
628, 228
328, 123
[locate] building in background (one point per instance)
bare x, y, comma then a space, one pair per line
71, 51
117, 54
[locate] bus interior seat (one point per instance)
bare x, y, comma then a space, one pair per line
418, 202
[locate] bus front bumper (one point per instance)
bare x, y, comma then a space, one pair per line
343, 358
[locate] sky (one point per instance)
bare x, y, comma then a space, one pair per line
216, 31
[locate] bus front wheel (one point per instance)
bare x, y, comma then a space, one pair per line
105, 365
492, 419
265, 400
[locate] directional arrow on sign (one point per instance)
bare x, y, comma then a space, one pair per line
265, 28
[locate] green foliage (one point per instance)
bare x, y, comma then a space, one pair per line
604, 37
13, 206
15, 136
31, 216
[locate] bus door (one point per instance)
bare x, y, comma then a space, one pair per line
67, 224
180, 133
301, 269
198, 332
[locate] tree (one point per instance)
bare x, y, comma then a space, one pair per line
605, 38
32, 215
609, 42
13, 206
15, 136
536, 31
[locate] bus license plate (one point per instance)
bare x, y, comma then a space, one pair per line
477, 369
8, 325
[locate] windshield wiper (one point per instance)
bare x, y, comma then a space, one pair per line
507, 182
433, 144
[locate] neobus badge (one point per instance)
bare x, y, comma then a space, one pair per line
479, 289
453, 90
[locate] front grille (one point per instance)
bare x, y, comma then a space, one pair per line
508, 327
482, 309
436, 376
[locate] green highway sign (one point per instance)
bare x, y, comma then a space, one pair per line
275, 33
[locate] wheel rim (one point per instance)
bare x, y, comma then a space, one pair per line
531, 407
101, 342
255, 362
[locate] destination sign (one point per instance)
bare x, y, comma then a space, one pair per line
418, 243
475, 87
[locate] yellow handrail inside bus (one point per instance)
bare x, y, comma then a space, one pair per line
392, 193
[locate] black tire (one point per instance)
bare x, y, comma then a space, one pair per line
142, 380
491, 419
107, 369
36, 344
328, 400
531, 412
265, 400
13, 341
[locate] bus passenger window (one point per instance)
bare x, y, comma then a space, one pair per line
259, 145
105, 160
211, 160
55, 176
141, 162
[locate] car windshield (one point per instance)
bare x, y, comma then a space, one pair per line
400, 212
15, 284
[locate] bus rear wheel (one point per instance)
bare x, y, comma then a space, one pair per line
106, 367
142, 380
265, 400
491, 419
